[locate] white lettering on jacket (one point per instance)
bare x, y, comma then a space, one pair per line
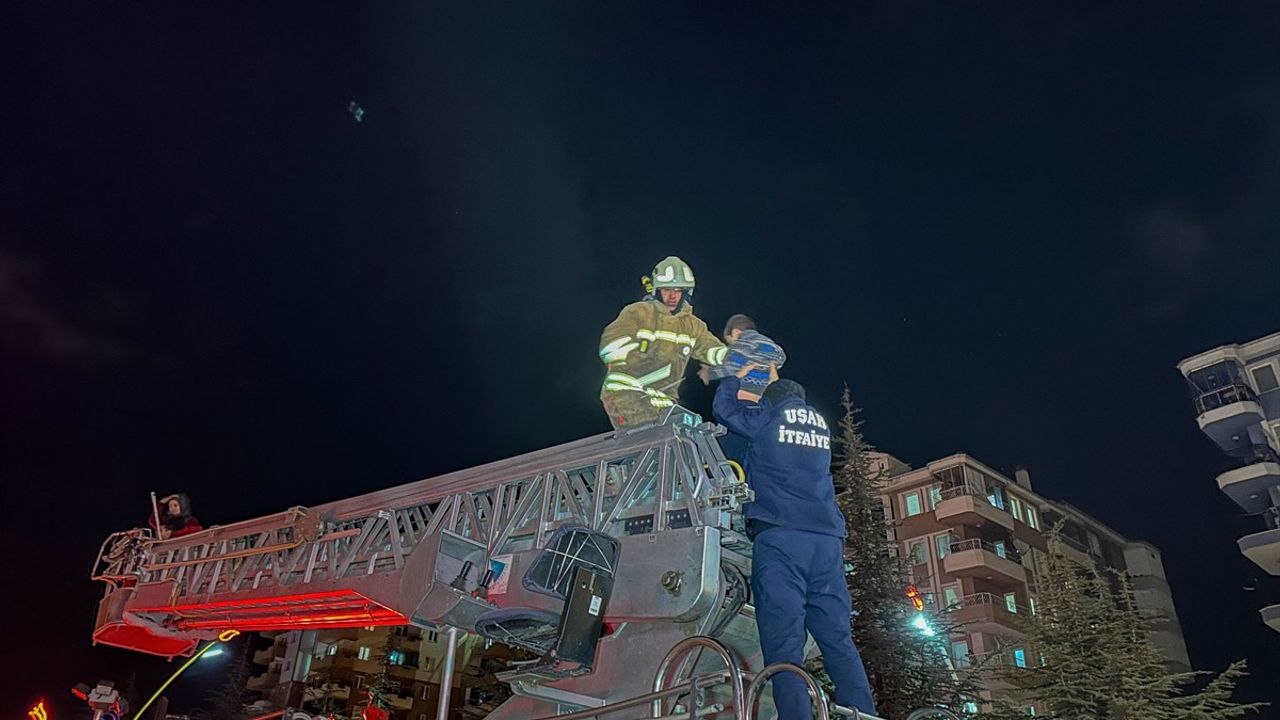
807, 438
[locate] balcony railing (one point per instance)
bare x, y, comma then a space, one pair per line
1001, 659
1258, 453
1223, 396
960, 491
978, 544
1073, 543
985, 598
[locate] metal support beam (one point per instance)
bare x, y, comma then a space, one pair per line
446, 680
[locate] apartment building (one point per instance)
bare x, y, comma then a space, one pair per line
973, 537
1236, 393
333, 669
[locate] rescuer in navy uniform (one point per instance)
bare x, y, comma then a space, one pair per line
797, 532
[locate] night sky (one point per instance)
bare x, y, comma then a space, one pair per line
1002, 224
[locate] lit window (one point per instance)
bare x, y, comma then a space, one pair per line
1015, 507
1264, 376
943, 543
971, 708
999, 546
1031, 711
333, 649
912, 503
935, 496
424, 692
422, 716
1020, 657
950, 595
960, 653
488, 643
1031, 604
1032, 519
359, 681
363, 653
433, 636
1011, 602
395, 657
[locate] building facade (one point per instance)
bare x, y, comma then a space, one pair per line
330, 671
973, 537
1236, 393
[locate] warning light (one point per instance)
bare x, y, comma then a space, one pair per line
917, 600
227, 635
38, 712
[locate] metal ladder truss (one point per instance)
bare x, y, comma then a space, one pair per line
389, 557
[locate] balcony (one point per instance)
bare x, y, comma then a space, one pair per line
979, 558
1248, 486
265, 681
267, 654
334, 691
1074, 548
964, 506
986, 613
1263, 549
1271, 616
998, 668
1227, 412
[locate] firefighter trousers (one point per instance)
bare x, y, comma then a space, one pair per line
798, 584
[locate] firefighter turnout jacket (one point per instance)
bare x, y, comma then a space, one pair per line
646, 350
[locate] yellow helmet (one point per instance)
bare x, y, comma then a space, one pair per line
672, 272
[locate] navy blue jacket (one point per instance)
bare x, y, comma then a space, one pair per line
788, 463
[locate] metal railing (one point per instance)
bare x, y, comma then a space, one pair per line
1223, 396
745, 696
979, 544
1259, 452
962, 490
985, 598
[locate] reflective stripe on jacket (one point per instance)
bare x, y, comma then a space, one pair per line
647, 349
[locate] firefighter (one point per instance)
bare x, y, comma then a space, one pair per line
797, 534
176, 519
647, 348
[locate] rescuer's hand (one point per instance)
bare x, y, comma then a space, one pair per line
773, 372
746, 369
704, 374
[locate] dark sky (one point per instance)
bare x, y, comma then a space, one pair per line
1002, 224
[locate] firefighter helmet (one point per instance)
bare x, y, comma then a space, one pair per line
672, 272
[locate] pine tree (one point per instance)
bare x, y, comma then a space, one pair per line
1214, 701
907, 669
1097, 661
381, 684
228, 702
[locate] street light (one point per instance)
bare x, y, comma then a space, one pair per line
215, 651
920, 623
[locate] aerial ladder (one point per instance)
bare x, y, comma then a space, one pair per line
618, 560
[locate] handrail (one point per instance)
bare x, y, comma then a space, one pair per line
757, 686
744, 702
682, 649
698, 683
